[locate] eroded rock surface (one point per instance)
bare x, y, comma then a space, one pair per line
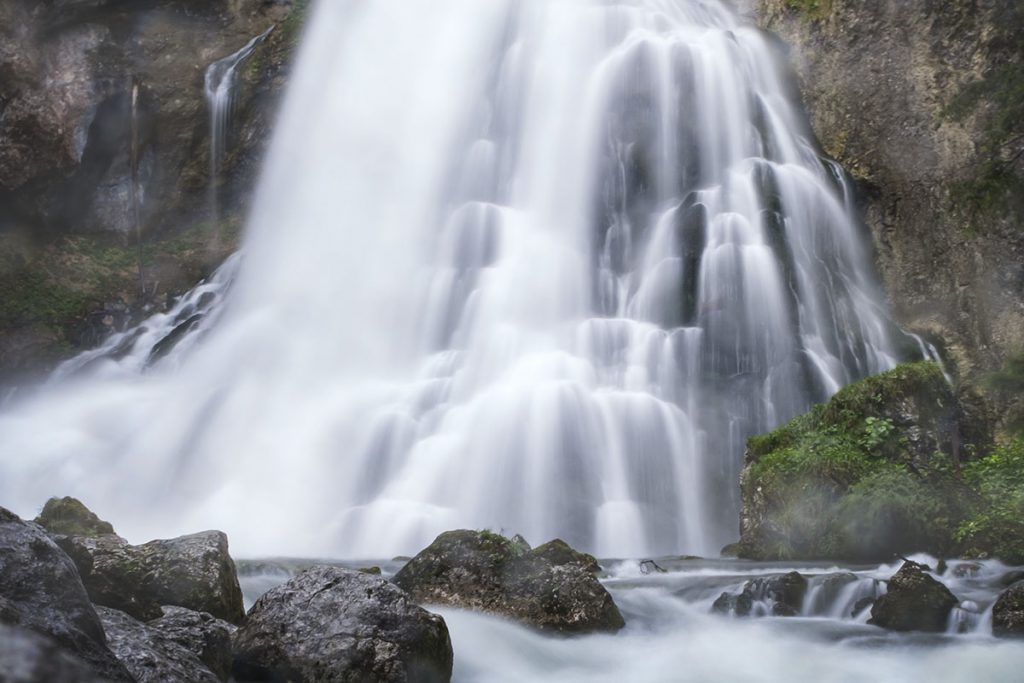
336, 624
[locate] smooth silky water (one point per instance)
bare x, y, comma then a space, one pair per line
671, 635
538, 266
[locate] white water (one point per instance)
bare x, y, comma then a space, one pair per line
672, 636
219, 84
534, 265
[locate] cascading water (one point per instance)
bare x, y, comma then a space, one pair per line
534, 265
220, 99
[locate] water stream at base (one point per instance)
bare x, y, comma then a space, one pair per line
672, 636
532, 265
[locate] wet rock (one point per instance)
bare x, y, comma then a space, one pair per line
194, 571
488, 572
861, 605
966, 570
29, 657
40, 590
1010, 578
336, 624
202, 634
1008, 612
914, 602
147, 654
559, 552
784, 596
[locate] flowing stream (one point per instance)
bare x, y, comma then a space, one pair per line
531, 265
672, 636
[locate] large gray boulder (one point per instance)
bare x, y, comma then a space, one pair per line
914, 602
334, 624
484, 571
194, 571
29, 657
202, 634
40, 590
1008, 612
147, 654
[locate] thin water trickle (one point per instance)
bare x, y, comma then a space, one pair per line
534, 265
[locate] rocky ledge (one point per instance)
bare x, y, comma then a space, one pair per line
80, 603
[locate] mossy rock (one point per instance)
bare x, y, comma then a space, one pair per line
69, 517
866, 475
552, 588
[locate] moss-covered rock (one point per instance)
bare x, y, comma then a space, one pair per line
550, 588
68, 516
867, 475
194, 571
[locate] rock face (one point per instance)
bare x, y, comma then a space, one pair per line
866, 475
40, 590
878, 79
147, 654
202, 634
782, 595
194, 571
28, 657
64, 142
335, 624
68, 235
914, 602
1008, 612
487, 572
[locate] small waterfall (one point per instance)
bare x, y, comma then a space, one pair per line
540, 265
220, 98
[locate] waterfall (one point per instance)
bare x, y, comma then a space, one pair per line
219, 85
538, 266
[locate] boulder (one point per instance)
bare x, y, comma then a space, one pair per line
201, 633
914, 602
783, 595
549, 588
1008, 612
147, 654
41, 590
330, 623
29, 657
69, 517
194, 571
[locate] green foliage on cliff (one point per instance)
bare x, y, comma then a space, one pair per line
57, 284
868, 474
995, 525
812, 9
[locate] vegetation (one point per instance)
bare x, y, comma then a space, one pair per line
812, 9
995, 524
873, 473
58, 284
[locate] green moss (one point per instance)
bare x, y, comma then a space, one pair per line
69, 517
811, 9
840, 474
58, 284
291, 27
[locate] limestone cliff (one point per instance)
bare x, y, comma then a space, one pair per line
923, 102
69, 257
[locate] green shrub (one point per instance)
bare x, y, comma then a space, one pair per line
996, 524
